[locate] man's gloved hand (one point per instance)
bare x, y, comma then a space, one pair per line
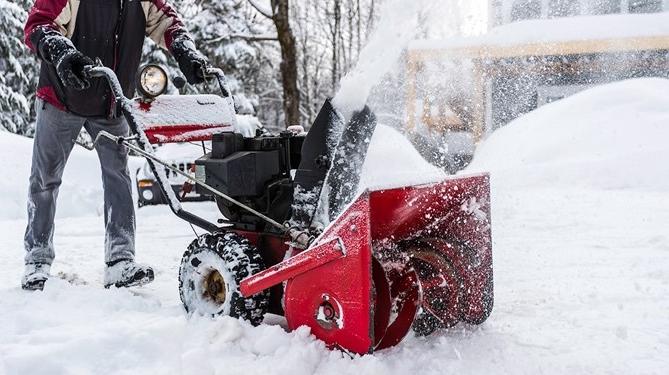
191, 62
70, 70
59, 51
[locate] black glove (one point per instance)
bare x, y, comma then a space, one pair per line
70, 69
59, 51
191, 62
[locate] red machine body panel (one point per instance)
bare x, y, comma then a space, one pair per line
343, 285
456, 210
183, 118
339, 289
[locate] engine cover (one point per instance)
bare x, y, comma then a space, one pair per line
241, 174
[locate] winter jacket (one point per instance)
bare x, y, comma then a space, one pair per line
111, 30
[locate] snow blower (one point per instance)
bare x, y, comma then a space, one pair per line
299, 238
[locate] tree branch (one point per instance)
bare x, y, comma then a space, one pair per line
247, 37
254, 38
261, 9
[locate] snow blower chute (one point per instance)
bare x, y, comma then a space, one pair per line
299, 238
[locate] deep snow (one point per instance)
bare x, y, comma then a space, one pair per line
609, 137
581, 282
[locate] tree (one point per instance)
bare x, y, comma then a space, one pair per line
18, 68
280, 16
237, 39
330, 36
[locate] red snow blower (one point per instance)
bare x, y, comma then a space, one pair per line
300, 239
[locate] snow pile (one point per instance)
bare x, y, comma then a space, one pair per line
609, 137
80, 193
392, 161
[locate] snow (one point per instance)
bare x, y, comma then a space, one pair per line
208, 111
600, 27
80, 193
182, 152
581, 282
393, 161
609, 137
398, 23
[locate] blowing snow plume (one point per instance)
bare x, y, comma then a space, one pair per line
350, 123
397, 26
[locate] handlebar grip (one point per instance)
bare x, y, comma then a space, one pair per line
90, 71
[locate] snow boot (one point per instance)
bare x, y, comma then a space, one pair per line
126, 273
36, 274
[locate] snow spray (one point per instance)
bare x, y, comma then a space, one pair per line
396, 28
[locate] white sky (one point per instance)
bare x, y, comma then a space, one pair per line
476, 17
448, 18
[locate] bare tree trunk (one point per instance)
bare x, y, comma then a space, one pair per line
304, 37
291, 93
358, 27
372, 15
335, 43
350, 20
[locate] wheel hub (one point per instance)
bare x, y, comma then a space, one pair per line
214, 287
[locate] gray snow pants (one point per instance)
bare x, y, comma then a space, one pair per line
55, 132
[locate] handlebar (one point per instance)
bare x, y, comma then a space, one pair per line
217, 73
98, 71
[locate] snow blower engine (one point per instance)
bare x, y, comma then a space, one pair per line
300, 238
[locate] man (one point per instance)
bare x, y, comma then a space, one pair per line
68, 35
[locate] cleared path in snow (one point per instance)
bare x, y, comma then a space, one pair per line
581, 287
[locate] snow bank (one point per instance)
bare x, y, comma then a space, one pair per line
393, 161
80, 193
612, 137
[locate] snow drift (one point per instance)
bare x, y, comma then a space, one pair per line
80, 193
610, 137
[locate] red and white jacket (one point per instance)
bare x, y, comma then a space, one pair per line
111, 30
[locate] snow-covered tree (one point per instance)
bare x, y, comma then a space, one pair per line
18, 69
236, 38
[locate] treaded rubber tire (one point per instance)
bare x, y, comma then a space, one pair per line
235, 259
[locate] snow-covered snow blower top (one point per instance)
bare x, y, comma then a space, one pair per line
187, 118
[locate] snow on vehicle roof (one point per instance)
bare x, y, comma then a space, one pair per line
610, 137
562, 30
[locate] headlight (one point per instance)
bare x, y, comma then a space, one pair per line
147, 195
152, 81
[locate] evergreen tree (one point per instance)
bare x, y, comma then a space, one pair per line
234, 38
18, 70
